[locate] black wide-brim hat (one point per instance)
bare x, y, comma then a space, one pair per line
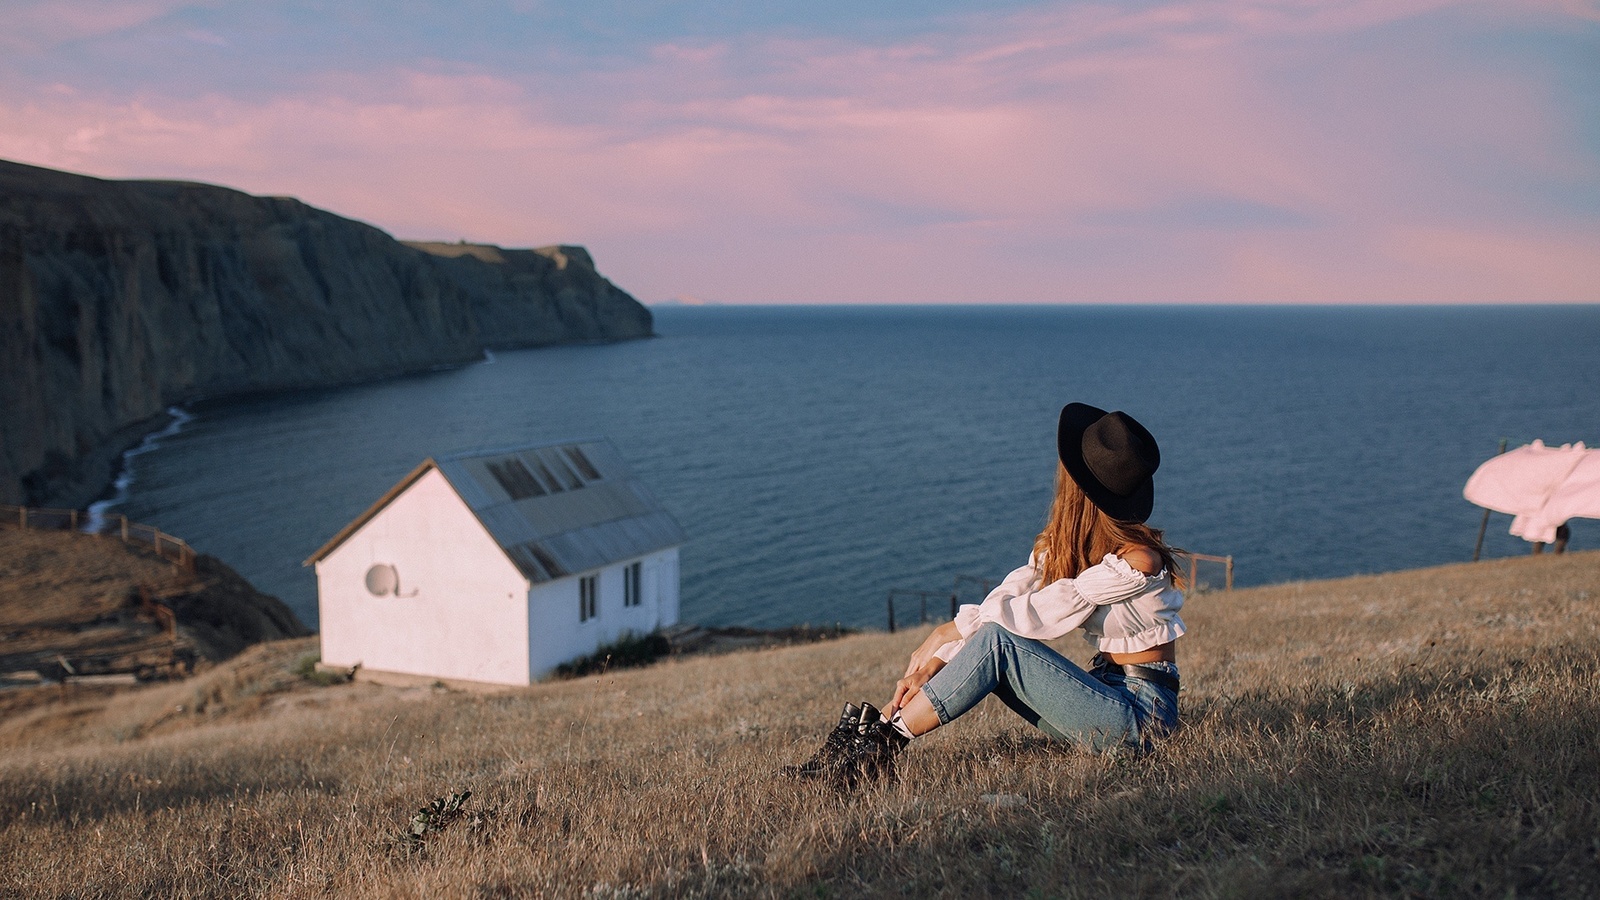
1112, 458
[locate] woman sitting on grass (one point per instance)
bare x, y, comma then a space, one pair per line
1096, 566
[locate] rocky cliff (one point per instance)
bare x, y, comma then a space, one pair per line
121, 298
577, 304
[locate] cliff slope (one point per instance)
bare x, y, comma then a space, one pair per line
75, 599
121, 298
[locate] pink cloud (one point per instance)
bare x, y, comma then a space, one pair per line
32, 26
1080, 153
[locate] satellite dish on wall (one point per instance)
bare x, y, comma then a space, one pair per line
383, 580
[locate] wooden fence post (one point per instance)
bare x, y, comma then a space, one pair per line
1483, 526
1230, 573
891, 612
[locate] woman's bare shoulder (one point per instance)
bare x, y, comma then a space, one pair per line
1143, 559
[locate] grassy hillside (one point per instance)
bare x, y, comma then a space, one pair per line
1427, 733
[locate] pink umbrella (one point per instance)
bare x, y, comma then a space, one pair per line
1541, 486
1577, 497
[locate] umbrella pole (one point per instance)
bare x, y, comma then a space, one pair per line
1477, 549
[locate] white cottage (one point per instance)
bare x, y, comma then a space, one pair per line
497, 566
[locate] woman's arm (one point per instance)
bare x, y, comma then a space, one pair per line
1024, 609
940, 636
1049, 611
924, 664
908, 687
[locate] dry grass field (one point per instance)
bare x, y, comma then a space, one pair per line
1427, 733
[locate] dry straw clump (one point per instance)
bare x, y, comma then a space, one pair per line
1418, 734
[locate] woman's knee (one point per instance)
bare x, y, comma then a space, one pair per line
991, 633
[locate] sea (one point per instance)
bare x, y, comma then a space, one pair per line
826, 461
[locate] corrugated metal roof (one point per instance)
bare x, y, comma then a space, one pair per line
559, 509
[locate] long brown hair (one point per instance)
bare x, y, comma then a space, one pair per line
1078, 535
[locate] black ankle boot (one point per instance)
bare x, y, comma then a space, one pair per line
872, 753
834, 748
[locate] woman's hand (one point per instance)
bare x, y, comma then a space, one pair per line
907, 687
942, 635
923, 665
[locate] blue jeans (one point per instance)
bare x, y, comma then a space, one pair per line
1098, 710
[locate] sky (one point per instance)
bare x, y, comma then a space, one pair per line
1167, 151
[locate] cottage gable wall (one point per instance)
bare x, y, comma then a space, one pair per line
459, 609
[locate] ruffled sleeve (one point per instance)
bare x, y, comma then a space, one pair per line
1047, 612
948, 651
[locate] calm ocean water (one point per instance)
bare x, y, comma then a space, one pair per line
819, 457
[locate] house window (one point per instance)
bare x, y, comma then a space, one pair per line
568, 480
538, 464
631, 582
516, 479
587, 589
585, 467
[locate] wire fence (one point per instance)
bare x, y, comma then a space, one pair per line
170, 548
1197, 584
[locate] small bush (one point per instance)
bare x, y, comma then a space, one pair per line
435, 817
627, 652
306, 667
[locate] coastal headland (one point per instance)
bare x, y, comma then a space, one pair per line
120, 299
1418, 733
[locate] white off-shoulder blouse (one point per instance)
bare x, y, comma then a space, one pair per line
1119, 608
